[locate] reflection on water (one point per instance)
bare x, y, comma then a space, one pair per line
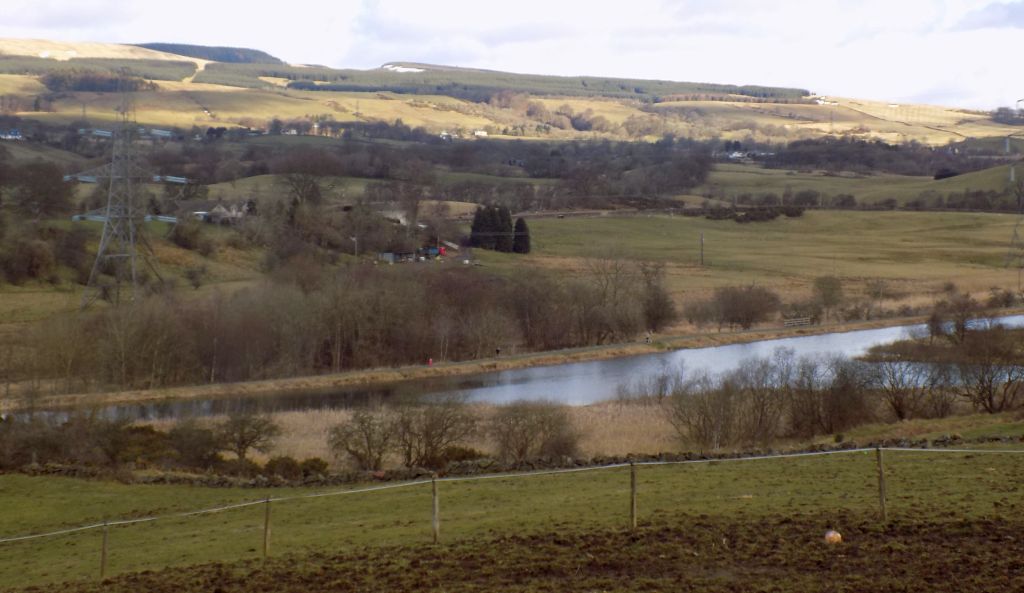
575, 384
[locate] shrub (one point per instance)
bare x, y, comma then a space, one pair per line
284, 466
457, 453
525, 430
313, 466
187, 234
195, 446
28, 259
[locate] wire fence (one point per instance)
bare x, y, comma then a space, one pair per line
435, 514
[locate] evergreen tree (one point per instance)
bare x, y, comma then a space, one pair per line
521, 243
503, 238
476, 228
488, 227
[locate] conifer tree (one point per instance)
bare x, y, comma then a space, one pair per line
521, 242
503, 238
477, 228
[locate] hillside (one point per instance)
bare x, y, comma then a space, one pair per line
238, 55
193, 90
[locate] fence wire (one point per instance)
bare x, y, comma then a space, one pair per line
507, 475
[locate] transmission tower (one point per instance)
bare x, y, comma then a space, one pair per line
117, 255
1015, 255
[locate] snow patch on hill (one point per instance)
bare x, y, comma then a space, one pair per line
402, 69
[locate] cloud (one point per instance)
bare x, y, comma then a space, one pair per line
994, 16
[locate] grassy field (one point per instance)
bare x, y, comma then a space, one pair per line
915, 252
731, 180
838, 490
226, 269
779, 554
25, 151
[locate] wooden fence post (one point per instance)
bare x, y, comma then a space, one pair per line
881, 484
632, 495
266, 529
103, 551
436, 522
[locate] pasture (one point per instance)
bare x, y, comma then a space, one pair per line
728, 181
927, 491
915, 252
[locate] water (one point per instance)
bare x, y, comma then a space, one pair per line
578, 383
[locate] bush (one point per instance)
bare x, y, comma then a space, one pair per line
457, 453
743, 306
526, 430
285, 467
195, 446
187, 234
28, 259
313, 466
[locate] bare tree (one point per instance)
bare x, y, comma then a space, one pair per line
828, 292
424, 432
760, 404
904, 385
989, 373
704, 414
366, 438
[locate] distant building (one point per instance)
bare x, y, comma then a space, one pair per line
216, 212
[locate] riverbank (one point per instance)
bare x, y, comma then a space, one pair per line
384, 376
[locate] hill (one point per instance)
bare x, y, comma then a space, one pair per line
236, 55
63, 51
214, 86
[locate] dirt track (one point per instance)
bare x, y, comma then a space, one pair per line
692, 554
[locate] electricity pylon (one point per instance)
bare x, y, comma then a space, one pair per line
1015, 256
117, 255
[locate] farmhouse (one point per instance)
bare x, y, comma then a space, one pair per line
216, 212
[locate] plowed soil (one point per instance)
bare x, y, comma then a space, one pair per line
689, 554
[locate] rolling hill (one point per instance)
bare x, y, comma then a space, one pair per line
249, 87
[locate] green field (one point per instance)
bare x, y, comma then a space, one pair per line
731, 180
916, 251
971, 486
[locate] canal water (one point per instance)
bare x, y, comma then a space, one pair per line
577, 383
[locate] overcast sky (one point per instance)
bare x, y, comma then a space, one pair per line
952, 52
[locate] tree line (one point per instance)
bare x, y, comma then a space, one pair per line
428, 435
963, 360
850, 154
354, 317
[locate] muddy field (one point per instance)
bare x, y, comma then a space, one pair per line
687, 554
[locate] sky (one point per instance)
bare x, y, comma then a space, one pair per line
951, 52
